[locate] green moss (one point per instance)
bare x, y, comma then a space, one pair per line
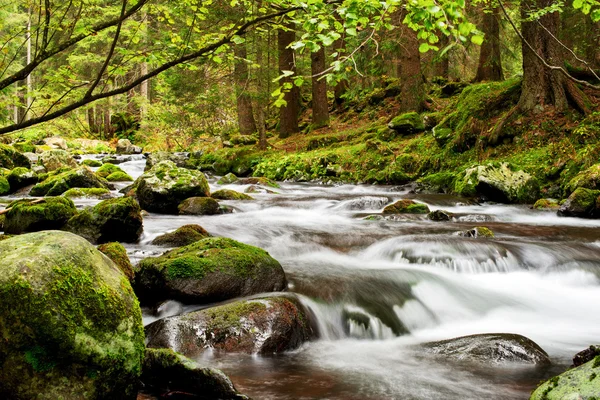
226, 194
91, 163
11, 158
199, 206
107, 169
484, 231
24, 147
57, 184
119, 176
230, 315
183, 236
30, 216
439, 182
227, 179
117, 253
4, 186
407, 123
86, 192
546, 204
406, 206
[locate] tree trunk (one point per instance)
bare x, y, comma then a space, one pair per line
246, 122
320, 106
541, 86
342, 86
91, 120
412, 91
490, 63
288, 114
441, 64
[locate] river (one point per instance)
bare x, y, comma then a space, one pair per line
379, 287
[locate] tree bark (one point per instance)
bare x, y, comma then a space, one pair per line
441, 64
288, 114
341, 87
412, 90
246, 122
490, 62
320, 106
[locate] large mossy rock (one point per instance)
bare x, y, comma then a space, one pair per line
582, 203
162, 188
4, 186
582, 382
199, 206
112, 220
11, 158
227, 194
38, 215
181, 160
70, 325
166, 371
117, 253
258, 326
182, 236
498, 182
407, 123
99, 193
113, 173
589, 179
56, 185
493, 348
55, 159
406, 206
209, 270
21, 177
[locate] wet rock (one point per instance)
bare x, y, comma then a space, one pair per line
478, 231
499, 183
165, 371
181, 160
71, 325
55, 159
262, 181
113, 173
99, 193
407, 123
21, 177
113, 220
37, 215
258, 189
588, 179
124, 146
199, 206
165, 186
183, 236
440, 215
117, 253
209, 270
582, 203
56, 185
11, 158
258, 326
586, 355
32, 157
91, 163
406, 206
490, 348
582, 382
227, 179
56, 143
114, 160
226, 194
546, 204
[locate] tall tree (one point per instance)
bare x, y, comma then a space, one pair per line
412, 90
288, 114
490, 62
246, 122
320, 106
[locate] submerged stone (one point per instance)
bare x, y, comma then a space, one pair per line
258, 326
209, 270
440, 215
70, 325
478, 231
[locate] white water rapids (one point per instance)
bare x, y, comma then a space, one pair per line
379, 287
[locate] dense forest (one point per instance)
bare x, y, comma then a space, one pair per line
423, 176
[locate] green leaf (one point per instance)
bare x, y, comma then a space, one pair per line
424, 48
577, 4
477, 39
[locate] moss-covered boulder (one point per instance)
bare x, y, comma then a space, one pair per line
490, 348
99, 193
258, 180
112, 173
4, 186
91, 163
199, 206
582, 382
209, 270
38, 215
501, 183
226, 194
70, 325
56, 185
182, 236
442, 135
11, 158
478, 231
589, 179
181, 160
406, 206
55, 159
582, 203
165, 372
260, 326
162, 188
408, 123
440, 215
546, 204
119, 177
117, 253
21, 177
24, 147
112, 220
227, 179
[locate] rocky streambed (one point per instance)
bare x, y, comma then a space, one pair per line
308, 291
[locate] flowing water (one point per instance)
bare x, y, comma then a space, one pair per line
378, 287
